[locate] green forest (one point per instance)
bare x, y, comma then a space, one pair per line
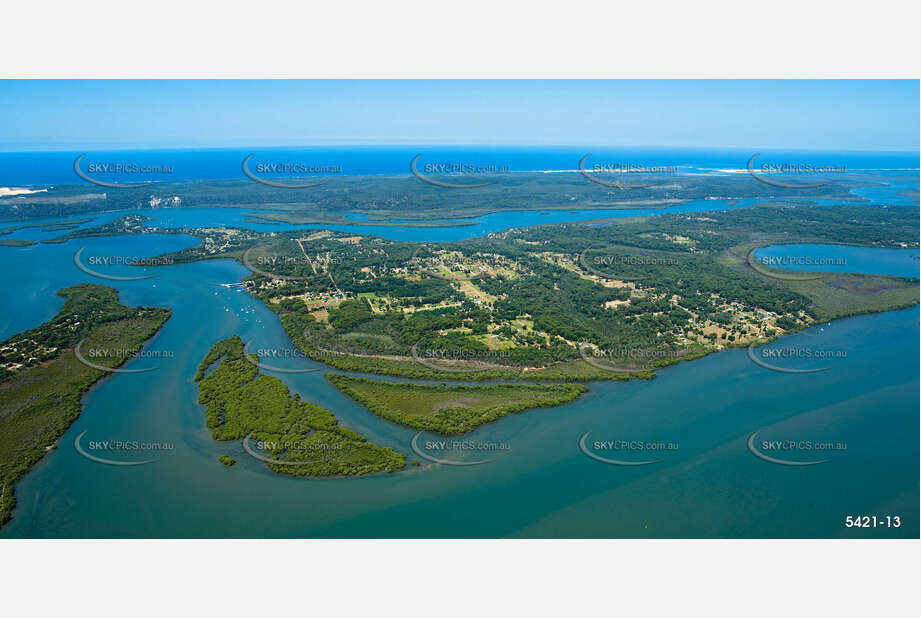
305, 439
42, 398
454, 409
521, 303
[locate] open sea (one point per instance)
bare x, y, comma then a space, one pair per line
56, 168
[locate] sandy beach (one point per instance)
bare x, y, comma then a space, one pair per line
10, 191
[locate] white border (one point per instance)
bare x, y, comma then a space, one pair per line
459, 578
474, 38
171, 38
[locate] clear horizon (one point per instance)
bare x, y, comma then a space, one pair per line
813, 115
916, 151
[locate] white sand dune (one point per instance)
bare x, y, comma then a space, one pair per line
8, 191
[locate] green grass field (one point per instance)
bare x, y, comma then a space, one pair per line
838, 295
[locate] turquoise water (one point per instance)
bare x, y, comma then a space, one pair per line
884, 185
36, 273
543, 486
887, 191
842, 259
56, 168
486, 224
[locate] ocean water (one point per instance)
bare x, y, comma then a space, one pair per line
55, 168
711, 484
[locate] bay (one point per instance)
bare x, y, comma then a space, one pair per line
543, 485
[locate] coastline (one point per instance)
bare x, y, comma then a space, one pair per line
71, 401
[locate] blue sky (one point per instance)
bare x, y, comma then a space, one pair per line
790, 114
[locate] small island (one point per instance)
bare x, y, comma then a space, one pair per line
227, 460
292, 436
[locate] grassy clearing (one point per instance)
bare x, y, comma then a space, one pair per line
838, 294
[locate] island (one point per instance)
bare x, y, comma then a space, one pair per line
292, 436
